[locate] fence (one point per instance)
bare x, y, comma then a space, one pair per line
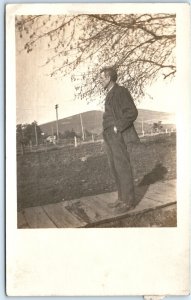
76, 142
66, 143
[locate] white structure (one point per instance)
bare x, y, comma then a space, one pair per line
75, 142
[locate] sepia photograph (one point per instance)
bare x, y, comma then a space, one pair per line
97, 149
96, 120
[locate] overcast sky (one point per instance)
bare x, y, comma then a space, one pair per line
37, 93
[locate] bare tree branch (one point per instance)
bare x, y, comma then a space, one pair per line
140, 46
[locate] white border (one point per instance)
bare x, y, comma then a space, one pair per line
123, 261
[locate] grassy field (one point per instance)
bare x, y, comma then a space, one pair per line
50, 177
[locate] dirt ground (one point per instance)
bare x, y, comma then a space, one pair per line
161, 217
44, 178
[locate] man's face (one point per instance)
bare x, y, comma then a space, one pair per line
105, 79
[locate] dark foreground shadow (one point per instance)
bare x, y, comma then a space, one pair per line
155, 175
140, 191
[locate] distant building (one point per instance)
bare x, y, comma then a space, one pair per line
51, 139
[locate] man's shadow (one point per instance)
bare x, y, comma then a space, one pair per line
155, 175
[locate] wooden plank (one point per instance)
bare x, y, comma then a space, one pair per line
163, 186
140, 192
91, 208
102, 204
103, 207
77, 210
97, 207
96, 214
128, 222
87, 208
145, 203
126, 215
172, 183
62, 217
163, 189
21, 221
161, 198
37, 218
168, 184
162, 192
108, 197
162, 195
97, 204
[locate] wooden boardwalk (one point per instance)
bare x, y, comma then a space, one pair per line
93, 210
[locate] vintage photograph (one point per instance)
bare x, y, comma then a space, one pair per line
96, 120
97, 149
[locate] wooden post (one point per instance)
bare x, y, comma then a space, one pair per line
75, 142
92, 138
56, 107
36, 134
83, 135
30, 142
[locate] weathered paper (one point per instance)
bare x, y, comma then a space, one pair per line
119, 261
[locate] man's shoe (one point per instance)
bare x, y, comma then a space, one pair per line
123, 208
115, 204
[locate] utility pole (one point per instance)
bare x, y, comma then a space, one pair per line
56, 107
82, 127
52, 132
35, 134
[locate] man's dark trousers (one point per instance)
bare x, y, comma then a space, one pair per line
119, 161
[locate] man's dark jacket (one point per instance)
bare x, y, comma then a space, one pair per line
120, 111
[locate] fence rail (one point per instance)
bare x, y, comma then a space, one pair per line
76, 142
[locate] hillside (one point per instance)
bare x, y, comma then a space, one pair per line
92, 121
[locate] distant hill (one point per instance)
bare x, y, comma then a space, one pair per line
92, 121
150, 116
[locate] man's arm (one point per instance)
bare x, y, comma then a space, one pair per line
124, 109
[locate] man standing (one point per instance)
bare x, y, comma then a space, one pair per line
119, 134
